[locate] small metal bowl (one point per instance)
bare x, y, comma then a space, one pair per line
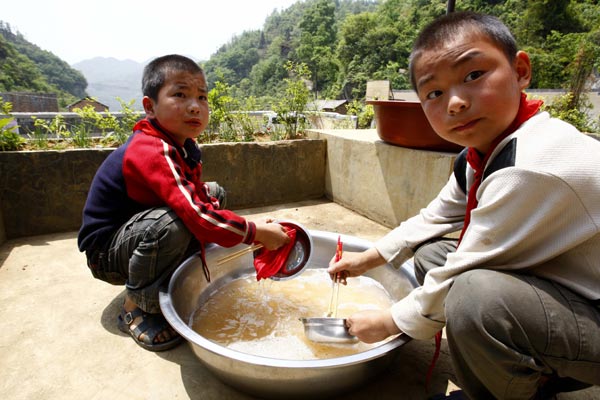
327, 330
300, 255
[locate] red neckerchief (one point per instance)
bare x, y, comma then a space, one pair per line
527, 109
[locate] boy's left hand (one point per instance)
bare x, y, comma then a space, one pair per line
372, 325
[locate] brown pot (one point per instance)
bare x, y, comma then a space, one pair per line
403, 123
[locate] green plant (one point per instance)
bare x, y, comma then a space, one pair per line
44, 130
292, 106
121, 128
38, 139
81, 133
10, 140
221, 123
364, 112
562, 107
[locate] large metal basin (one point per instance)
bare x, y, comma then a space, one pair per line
269, 377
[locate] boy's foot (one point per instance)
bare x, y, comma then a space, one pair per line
150, 331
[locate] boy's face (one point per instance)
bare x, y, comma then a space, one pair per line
182, 105
469, 90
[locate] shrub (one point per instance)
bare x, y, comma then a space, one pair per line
10, 140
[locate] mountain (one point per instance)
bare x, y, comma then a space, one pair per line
25, 67
109, 78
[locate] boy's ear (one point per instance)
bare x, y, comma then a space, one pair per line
523, 69
148, 106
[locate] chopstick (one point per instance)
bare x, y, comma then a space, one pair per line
333, 302
239, 253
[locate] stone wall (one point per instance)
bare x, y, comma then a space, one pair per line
44, 191
31, 102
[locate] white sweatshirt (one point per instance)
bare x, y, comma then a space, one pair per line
538, 212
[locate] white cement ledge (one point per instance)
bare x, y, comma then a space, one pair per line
383, 182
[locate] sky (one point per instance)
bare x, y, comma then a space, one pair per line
76, 30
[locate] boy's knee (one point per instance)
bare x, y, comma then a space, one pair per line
471, 299
176, 236
166, 231
431, 255
483, 300
217, 191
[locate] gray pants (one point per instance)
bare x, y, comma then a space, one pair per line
509, 332
146, 250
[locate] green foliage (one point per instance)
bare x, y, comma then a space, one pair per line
364, 112
26, 67
229, 119
578, 117
114, 131
47, 130
10, 140
120, 129
346, 43
221, 105
342, 45
317, 43
81, 133
292, 106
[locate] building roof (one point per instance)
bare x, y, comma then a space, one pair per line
90, 99
325, 104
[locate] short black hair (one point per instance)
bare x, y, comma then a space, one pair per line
450, 25
156, 71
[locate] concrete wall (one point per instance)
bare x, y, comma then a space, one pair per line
44, 191
383, 182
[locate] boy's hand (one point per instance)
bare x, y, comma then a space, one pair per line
355, 264
372, 326
271, 235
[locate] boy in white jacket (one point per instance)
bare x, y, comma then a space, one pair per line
519, 292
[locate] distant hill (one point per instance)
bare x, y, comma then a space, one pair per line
109, 78
25, 67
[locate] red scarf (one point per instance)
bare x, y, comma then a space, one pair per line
269, 262
527, 109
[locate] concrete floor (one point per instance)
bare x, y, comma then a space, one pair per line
60, 340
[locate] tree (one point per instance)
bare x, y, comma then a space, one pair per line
291, 107
317, 42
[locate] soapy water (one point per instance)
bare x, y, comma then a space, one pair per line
262, 318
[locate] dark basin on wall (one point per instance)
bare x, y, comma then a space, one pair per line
403, 123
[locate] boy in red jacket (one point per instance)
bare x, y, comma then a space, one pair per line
148, 208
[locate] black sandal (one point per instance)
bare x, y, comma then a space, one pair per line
151, 326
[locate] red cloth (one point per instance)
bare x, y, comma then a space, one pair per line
477, 161
268, 262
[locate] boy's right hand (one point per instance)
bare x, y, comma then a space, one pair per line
271, 234
355, 264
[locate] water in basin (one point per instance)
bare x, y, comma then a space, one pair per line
262, 318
